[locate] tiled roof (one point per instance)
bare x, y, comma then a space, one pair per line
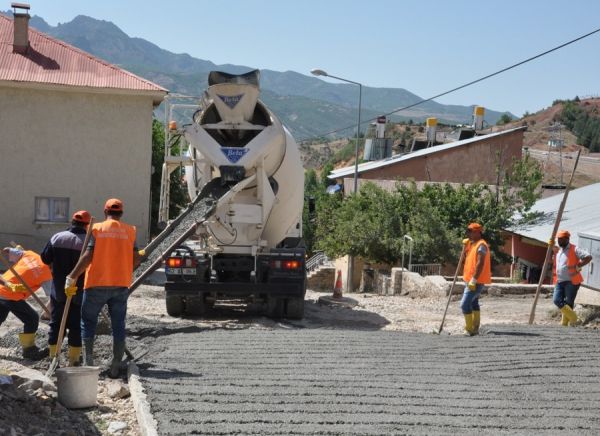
54, 62
368, 166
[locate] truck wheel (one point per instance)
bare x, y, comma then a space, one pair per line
195, 306
295, 308
174, 305
275, 307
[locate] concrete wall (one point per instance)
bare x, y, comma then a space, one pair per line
470, 163
84, 146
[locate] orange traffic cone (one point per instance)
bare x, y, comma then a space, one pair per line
337, 290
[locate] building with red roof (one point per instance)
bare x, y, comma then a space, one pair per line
76, 130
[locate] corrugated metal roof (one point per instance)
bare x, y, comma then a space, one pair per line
54, 62
581, 215
368, 166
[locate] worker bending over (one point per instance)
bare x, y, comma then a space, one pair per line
62, 253
13, 294
477, 273
567, 263
110, 259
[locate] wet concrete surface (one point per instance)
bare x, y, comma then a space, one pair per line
289, 380
197, 213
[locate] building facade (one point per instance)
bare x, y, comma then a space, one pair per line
75, 131
475, 160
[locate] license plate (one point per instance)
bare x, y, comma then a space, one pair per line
173, 271
189, 271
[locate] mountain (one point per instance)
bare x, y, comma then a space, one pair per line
309, 106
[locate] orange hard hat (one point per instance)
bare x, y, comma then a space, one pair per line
82, 216
475, 226
113, 205
563, 234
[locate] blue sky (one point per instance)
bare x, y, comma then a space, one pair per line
424, 47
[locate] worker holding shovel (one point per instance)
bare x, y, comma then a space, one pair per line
110, 259
27, 270
476, 274
62, 253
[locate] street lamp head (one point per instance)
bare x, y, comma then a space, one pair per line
408, 237
318, 72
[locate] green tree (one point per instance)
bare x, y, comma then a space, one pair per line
372, 223
504, 119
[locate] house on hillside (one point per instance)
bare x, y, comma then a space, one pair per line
472, 160
527, 244
75, 131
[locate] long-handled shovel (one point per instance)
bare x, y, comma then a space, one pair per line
561, 209
16, 274
63, 321
462, 257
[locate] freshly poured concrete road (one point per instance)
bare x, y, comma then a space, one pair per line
512, 380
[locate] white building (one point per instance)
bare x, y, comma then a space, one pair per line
75, 131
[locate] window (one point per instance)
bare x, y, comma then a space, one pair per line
52, 209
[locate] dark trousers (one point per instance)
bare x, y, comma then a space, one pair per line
565, 293
73, 322
21, 310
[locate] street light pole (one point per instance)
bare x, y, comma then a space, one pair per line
318, 72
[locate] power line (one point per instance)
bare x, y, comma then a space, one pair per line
462, 86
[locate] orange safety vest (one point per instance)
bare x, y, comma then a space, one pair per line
572, 261
112, 263
32, 270
471, 263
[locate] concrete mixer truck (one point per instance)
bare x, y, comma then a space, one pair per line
249, 245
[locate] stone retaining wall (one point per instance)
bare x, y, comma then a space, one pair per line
403, 282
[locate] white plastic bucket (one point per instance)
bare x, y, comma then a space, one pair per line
78, 386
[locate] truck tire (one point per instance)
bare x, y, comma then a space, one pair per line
275, 307
295, 308
195, 306
174, 305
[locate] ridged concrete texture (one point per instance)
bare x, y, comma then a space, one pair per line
511, 380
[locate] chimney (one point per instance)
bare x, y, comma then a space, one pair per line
21, 26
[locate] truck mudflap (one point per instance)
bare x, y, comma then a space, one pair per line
188, 289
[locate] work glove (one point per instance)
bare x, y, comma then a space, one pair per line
70, 286
578, 268
551, 242
142, 252
472, 285
465, 241
17, 287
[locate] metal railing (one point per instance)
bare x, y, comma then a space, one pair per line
318, 259
427, 269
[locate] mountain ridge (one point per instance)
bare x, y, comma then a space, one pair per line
310, 107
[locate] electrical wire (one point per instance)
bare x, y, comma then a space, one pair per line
461, 86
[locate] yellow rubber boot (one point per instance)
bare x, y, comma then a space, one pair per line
52, 351
74, 355
476, 321
569, 314
27, 340
564, 321
30, 350
469, 324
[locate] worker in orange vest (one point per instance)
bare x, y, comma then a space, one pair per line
477, 273
567, 264
108, 261
13, 294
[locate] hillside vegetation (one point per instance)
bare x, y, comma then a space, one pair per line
583, 119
